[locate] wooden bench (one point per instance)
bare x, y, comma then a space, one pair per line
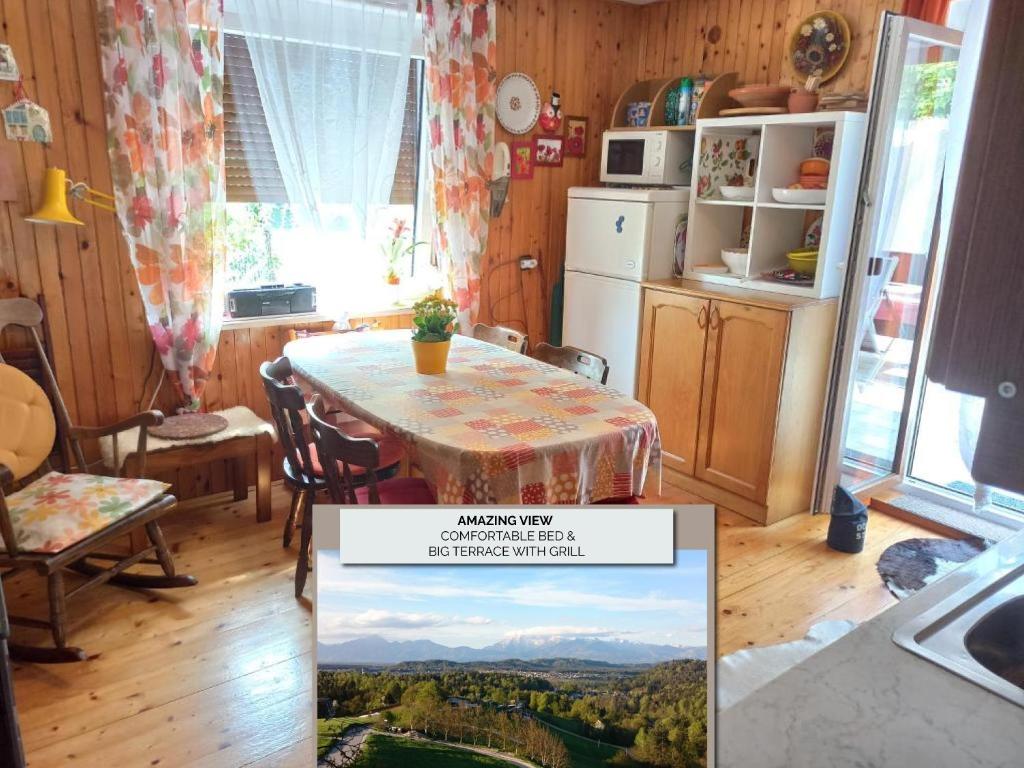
247, 436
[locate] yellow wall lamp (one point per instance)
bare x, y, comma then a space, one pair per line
57, 188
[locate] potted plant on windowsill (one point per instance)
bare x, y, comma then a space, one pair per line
398, 246
434, 319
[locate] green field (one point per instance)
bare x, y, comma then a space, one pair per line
389, 752
328, 730
582, 752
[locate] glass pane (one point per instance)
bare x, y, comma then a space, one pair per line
899, 262
947, 434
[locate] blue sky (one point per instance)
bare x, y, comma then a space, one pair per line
477, 606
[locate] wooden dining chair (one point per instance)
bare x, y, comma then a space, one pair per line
53, 522
594, 367
303, 468
501, 337
342, 452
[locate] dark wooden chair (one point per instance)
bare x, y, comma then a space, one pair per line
501, 337
341, 453
304, 471
594, 367
55, 522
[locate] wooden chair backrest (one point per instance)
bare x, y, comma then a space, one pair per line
334, 447
28, 315
500, 336
287, 406
573, 359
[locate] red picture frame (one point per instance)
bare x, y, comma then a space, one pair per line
522, 159
577, 133
548, 150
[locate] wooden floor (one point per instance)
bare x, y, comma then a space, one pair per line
221, 674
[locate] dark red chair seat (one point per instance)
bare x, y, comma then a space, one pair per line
391, 453
399, 490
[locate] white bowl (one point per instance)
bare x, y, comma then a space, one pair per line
799, 196
737, 193
736, 260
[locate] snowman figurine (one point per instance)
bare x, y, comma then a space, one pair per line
551, 114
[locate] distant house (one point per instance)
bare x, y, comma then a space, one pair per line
457, 702
324, 709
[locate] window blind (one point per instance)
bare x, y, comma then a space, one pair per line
251, 169
250, 166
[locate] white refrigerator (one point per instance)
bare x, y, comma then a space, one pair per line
615, 239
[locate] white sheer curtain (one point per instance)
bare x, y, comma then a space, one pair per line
332, 76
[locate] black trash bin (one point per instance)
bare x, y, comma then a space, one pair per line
849, 523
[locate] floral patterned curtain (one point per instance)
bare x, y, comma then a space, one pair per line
163, 67
460, 47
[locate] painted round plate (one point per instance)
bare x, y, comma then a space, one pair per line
518, 103
819, 45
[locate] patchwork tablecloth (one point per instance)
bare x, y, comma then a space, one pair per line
497, 428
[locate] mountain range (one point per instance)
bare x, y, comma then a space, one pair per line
374, 649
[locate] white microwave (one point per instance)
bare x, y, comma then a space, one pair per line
650, 157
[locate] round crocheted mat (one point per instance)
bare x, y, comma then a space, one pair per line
189, 426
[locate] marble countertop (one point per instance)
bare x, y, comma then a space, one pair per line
865, 702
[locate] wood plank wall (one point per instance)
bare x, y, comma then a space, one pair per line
586, 50
101, 346
591, 50
753, 40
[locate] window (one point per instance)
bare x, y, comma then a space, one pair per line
267, 241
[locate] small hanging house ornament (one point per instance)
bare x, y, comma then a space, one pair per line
551, 114
8, 65
24, 120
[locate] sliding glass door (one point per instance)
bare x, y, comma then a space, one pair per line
891, 273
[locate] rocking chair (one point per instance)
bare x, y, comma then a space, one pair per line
57, 523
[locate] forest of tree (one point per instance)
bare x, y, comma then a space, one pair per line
658, 712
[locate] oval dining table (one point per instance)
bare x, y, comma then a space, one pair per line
497, 428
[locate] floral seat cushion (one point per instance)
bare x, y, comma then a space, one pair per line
59, 510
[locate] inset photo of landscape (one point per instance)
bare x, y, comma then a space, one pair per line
489, 667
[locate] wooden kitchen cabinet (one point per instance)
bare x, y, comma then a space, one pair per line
737, 379
671, 360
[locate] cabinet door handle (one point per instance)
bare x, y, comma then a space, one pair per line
716, 318
702, 320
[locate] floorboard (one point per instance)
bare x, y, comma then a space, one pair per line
220, 674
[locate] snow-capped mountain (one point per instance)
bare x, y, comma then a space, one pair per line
374, 649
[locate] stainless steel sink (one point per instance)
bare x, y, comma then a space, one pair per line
978, 631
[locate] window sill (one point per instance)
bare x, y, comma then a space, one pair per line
304, 318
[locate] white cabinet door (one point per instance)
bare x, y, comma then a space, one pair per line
608, 237
602, 315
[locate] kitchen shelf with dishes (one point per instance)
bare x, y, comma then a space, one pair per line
784, 188
655, 94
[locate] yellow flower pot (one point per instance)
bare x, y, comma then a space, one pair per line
431, 356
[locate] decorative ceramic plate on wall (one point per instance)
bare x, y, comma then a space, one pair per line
819, 45
518, 103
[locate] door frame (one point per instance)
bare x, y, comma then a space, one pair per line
890, 60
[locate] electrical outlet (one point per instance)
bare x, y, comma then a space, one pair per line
527, 262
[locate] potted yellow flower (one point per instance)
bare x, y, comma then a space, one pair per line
435, 319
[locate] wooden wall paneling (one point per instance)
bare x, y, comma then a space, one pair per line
86, 323
130, 341
35, 252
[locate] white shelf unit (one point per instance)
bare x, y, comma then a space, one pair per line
775, 228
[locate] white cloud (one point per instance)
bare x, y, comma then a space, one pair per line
375, 619
563, 631
536, 594
477, 620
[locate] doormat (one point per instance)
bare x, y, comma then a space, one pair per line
910, 565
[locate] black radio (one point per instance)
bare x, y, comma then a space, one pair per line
271, 300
